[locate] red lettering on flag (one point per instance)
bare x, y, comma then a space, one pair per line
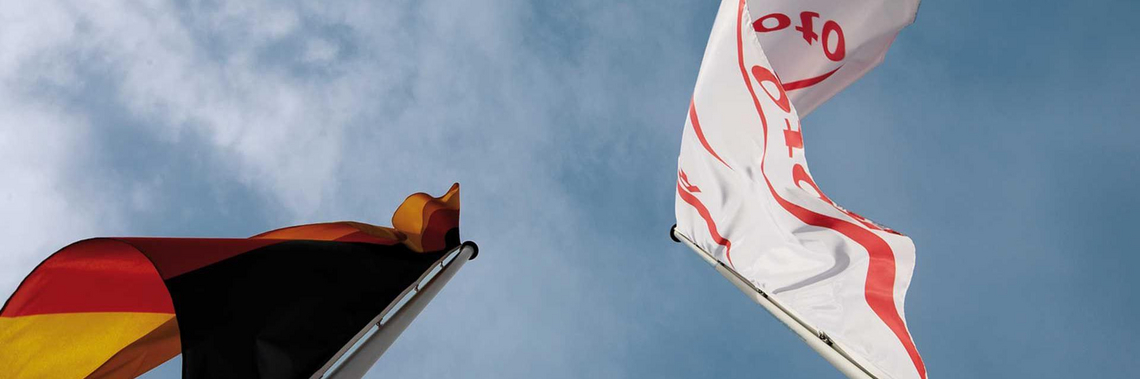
792, 138
879, 288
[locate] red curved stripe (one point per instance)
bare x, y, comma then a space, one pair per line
96, 275
439, 223
701, 133
879, 287
800, 84
366, 238
177, 256
704, 212
685, 183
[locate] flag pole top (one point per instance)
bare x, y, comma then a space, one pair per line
475, 248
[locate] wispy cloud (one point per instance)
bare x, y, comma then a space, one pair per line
561, 120
196, 118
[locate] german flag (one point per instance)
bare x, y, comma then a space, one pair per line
279, 304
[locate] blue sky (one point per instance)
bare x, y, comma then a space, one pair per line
1001, 136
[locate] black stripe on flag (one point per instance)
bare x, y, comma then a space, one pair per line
283, 310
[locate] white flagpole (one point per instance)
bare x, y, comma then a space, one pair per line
365, 349
814, 338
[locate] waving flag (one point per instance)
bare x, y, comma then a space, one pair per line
280, 304
746, 197
819, 47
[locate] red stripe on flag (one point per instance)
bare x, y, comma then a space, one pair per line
177, 256
367, 238
701, 133
704, 212
96, 275
879, 287
685, 183
801, 84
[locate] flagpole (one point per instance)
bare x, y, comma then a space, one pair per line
363, 351
814, 338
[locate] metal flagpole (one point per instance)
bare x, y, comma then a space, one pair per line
814, 338
354, 360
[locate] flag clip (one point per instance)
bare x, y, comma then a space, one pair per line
823, 336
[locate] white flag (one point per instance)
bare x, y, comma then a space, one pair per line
819, 47
745, 195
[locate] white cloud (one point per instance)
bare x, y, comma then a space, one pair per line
293, 105
337, 112
40, 213
284, 130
